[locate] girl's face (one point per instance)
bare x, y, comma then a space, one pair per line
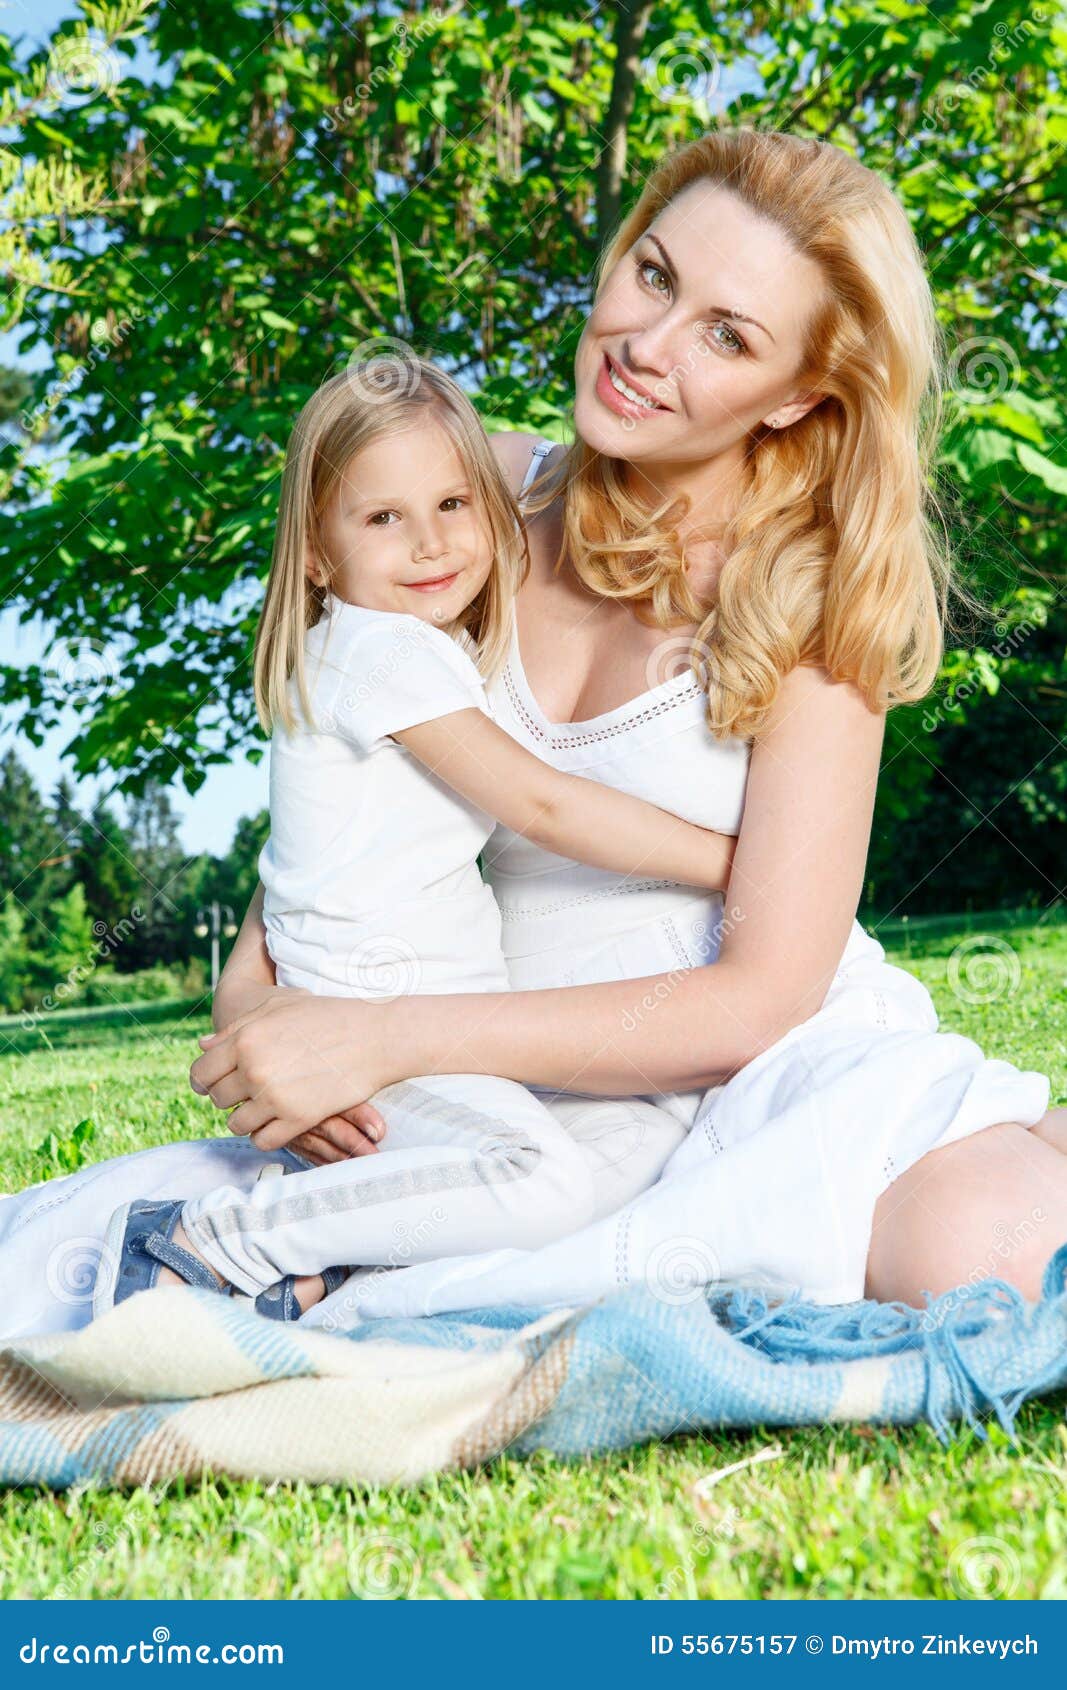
697, 335
402, 531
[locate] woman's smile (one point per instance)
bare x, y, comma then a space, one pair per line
624, 396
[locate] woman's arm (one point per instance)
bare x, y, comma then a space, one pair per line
792, 898
565, 813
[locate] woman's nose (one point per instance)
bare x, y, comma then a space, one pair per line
652, 352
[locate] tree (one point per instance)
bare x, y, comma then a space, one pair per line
335, 178
14, 962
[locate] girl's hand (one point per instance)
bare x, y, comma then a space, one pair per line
356, 1132
293, 1063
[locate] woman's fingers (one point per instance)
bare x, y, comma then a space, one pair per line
247, 1119
228, 1091
209, 1068
271, 1135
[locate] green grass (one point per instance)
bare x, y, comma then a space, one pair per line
859, 1511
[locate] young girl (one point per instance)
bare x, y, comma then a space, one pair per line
397, 556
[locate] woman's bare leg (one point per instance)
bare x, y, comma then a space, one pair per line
1052, 1127
991, 1205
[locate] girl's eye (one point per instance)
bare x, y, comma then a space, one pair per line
380, 519
455, 503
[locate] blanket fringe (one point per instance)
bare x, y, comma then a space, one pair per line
791, 1329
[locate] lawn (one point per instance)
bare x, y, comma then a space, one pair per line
856, 1512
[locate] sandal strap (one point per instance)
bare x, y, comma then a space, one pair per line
183, 1263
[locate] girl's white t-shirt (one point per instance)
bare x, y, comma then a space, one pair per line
371, 884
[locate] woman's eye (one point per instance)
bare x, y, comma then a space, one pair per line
644, 267
734, 344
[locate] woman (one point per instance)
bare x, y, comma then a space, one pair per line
747, 487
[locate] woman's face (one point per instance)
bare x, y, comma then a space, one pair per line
697, 335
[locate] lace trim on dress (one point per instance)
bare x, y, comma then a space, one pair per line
562, 741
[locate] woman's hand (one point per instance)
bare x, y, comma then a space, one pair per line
294, 1064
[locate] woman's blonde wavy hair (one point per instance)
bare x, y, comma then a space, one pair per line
837, 555
366, 402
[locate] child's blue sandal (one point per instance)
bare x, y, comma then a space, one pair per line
139, 1243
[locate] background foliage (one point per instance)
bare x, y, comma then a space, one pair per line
199, 243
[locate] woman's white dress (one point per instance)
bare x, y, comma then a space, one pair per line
778, 1177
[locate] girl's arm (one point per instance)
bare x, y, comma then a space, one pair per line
565, 813
248, 982
790, 904
248, 975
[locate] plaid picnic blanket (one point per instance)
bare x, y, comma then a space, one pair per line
179, 1381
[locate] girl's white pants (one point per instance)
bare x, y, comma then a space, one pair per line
470, 1162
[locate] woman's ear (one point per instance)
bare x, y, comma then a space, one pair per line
794, 410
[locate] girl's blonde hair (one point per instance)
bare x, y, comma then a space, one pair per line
833, 557
365, 403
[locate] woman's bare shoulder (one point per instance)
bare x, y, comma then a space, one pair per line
512, 450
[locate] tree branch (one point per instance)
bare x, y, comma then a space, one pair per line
633, 20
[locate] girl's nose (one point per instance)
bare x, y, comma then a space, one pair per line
429, 543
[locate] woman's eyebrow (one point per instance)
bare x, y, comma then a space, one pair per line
713, 310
